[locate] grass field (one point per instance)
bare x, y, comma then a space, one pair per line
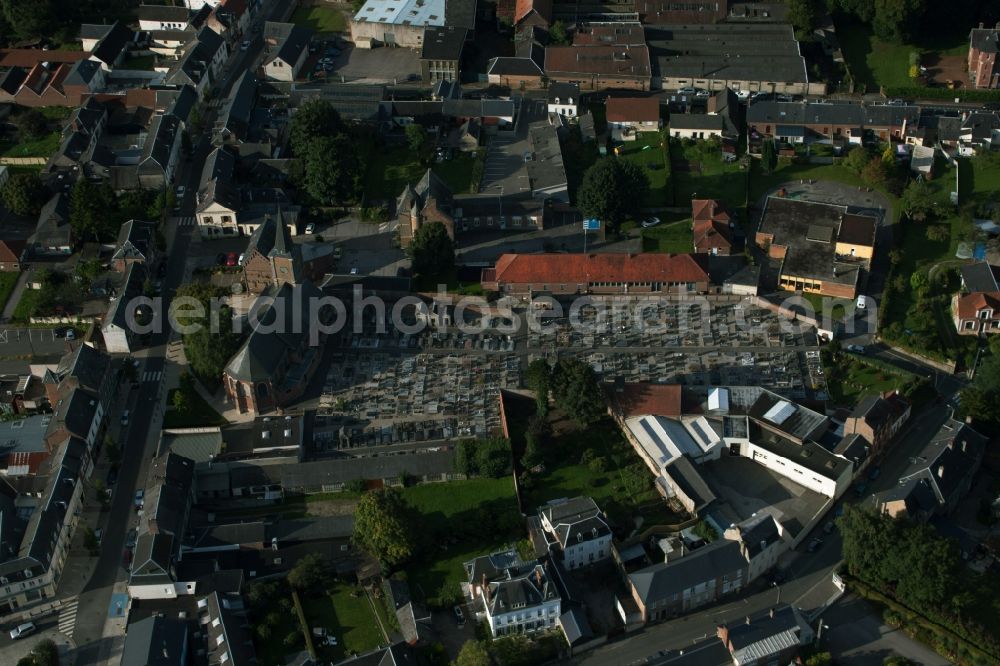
707, 175
320, 19
391, 169
860, 380
7, 283
646, 151
672, 237
25, 307
347, 614
199, 413
42, 147
872, 61
442, 507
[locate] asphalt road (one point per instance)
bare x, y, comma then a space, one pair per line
856, 636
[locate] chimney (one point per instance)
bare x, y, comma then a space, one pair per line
722, 631
940, 471
963, 446
772, 613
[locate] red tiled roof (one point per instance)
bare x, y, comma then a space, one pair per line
633, 109
711, 225
970, 304
524, 7
10, 250
708, 209
604, 60
578, 268
640, 399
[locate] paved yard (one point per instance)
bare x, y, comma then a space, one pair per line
857, 637
748, 487
380, 65
504, 167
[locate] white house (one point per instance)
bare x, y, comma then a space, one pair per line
217, 210
576, 528
513, 596
629, 115
696, 126
163, 17
564, 99
288, 47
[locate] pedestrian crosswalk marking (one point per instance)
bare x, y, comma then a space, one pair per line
185, 221
152, 375
67, 618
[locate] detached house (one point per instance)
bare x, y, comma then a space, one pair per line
53, 234
577, 530
629, 115
513, 596
984, 46
977, 313
11, 254
712, 224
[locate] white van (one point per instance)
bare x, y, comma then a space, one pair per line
22, 630
862, 302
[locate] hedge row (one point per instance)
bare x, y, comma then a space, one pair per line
964, 94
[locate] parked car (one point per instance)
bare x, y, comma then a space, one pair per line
650, 222
814, 545
310, 228
140, 498
22, 630
62, 331
687, 91
828, 527
459, 615
743, 95
98, 534
862, 303
131, 538
231, 259
703, 93
127, 559
857, 349
112, 478
125, 416
180, 191
245, 45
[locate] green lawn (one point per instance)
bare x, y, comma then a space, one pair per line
199, 413
620, 484
347, 614
391, 169
673, 238
980, 178
699, 172
450, 512
320, 19
860, 380
873, 62
42, 147
647, 152
7, 282
457, 172
26, 306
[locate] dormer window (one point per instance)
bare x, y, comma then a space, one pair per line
984, 314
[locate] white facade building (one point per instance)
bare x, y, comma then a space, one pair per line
576, 528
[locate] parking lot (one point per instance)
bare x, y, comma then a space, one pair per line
504, 166
380, 65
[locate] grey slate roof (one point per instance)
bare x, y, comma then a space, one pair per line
690, 481
294, 44
157, 640
947, 460
112, 44
235, 116
163, 13
220, 164
767, 634
82, 73
53, 223
980, 276
87, 365
696, 121
985, 39
443, 43
162, 134
662, 580
805, 113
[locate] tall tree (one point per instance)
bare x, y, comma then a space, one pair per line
802, 14
91, 210
557, 34
981, 399
898, 20
30, 18
577, 391
432, 251
384, 526
313, 119
857, 159
24, 194
416, 138
473, 653
768, 156
538, 378
612, 191
309, 573
917, 200
333, 169
32, 123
